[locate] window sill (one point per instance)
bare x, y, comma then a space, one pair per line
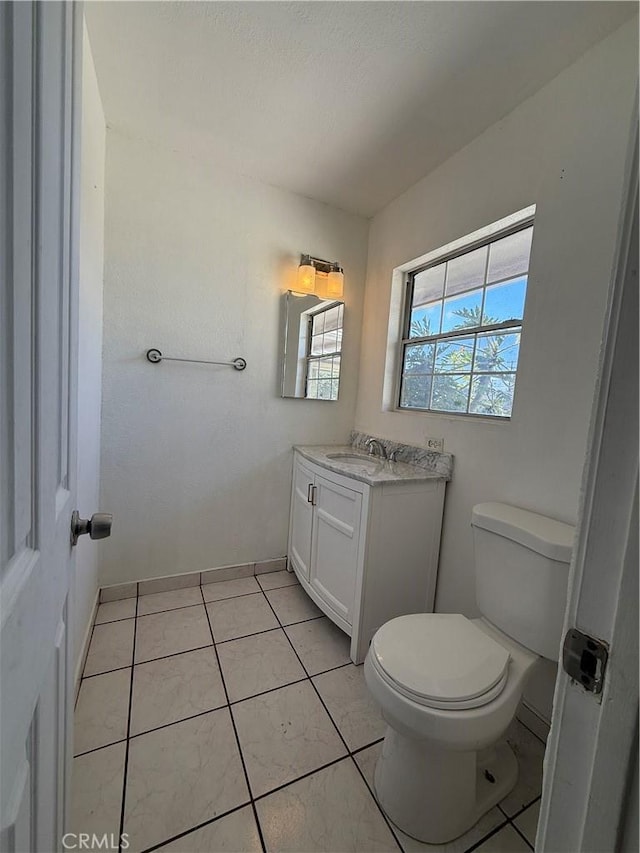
454, 416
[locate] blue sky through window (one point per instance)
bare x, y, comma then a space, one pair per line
471, 293
505, 301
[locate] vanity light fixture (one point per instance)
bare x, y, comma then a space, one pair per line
325, 278
306, 275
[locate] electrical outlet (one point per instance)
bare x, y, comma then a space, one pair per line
434, 443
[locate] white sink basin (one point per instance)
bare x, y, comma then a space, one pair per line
356, 460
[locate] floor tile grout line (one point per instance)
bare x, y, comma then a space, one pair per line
266, 692
270, 631
98, 748
520, 810
490, 834
84, 663
537, 737
114, 600
259, 796
301, 621
182, 606
174, 654
317, 692
284, 586
304, 669
196, 828
375, 800
126, 752
306, 775
347, 755
392, 828
350, 753
181, 720
212, 711
244, 636
105, 672
283, 628
248, 636
316, 770
93, 633
228, 597
279, 627
111, 621
94, 624
521, 834
168, 610
335, 725
283, 625
151, 660
366, 746
310, 677
331, 669
235, 731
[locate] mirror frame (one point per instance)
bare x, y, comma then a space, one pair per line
293, 338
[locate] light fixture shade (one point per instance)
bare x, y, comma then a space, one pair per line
335, 282
306, 275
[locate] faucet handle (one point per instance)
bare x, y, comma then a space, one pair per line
372, 444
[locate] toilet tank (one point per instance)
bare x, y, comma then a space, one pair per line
522, 568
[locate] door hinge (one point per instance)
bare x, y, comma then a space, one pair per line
585, 659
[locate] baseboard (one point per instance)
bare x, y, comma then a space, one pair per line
85, 645
145, 586
534, 721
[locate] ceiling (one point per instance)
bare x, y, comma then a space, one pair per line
349, 103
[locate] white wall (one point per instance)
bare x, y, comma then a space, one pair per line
196, 459
563, 150
630, 828
90, 335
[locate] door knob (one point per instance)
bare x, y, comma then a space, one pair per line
98, 526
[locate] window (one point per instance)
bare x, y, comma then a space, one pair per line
462, 326
324, 345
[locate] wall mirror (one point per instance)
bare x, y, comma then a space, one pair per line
311, 346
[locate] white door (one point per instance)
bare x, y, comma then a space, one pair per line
301, 518
588, 801
334, 557
38, 228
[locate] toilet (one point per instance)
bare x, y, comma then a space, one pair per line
448, 687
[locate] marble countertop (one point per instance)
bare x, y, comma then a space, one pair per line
373, 469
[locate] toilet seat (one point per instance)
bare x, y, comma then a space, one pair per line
440, 660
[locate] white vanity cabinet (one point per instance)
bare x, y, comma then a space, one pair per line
364, 553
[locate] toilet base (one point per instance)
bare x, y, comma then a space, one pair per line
436, 795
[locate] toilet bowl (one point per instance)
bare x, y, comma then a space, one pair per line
448, 686
440, 770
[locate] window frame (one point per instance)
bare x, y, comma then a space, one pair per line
309, 357
469, 331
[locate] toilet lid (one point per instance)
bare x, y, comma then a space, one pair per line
439, 656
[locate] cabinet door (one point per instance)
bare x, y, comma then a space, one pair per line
336, 535
301, 518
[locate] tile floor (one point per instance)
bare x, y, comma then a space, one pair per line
228, 717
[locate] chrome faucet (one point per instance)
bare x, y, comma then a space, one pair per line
373, 444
